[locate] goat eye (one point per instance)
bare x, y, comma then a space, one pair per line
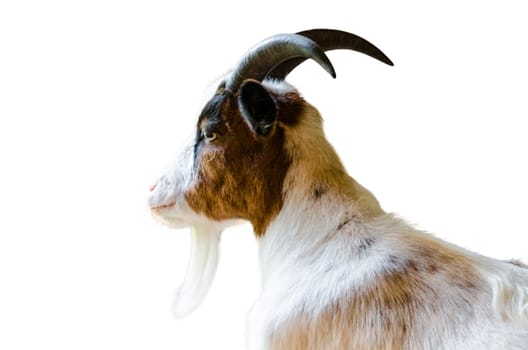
209, 136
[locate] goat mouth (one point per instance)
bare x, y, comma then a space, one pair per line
162, 206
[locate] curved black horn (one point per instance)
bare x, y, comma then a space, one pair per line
330, 39
269, 53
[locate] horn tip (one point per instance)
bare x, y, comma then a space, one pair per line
387, 61
330, 69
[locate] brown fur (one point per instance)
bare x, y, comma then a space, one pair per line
241, 174
291, 107
318, 169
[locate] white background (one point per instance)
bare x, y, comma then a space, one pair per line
97, 96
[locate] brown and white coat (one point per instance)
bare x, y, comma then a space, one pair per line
337, 271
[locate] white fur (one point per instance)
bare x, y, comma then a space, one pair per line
167, 196
510, 293
278, 86
291, 258
304, 270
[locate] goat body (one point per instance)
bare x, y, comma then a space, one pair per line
337, 271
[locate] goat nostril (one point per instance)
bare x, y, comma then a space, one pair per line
153, 187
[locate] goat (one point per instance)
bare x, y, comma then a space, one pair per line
337, 271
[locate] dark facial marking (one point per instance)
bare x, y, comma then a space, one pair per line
210, 118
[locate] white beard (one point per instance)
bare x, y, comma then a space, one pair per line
201, 269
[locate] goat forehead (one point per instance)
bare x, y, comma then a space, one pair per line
212, 109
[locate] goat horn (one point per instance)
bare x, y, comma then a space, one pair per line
266, 55
330, 39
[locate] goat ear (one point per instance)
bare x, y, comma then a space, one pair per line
257, 107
